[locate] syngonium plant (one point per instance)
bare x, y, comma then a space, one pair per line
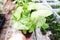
30, 15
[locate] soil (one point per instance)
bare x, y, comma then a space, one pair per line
27, 35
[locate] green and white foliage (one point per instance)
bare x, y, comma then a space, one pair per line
30, 15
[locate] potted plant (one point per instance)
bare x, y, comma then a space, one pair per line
54, 27
28, 16
50, 20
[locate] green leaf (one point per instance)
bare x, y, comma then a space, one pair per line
23, 24
24, 31
17, 13
59, 39
31, 29
45, 26
40, 22
20, 26
14, 18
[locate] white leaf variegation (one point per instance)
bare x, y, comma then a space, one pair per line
20, 26
41, 13
37, 6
